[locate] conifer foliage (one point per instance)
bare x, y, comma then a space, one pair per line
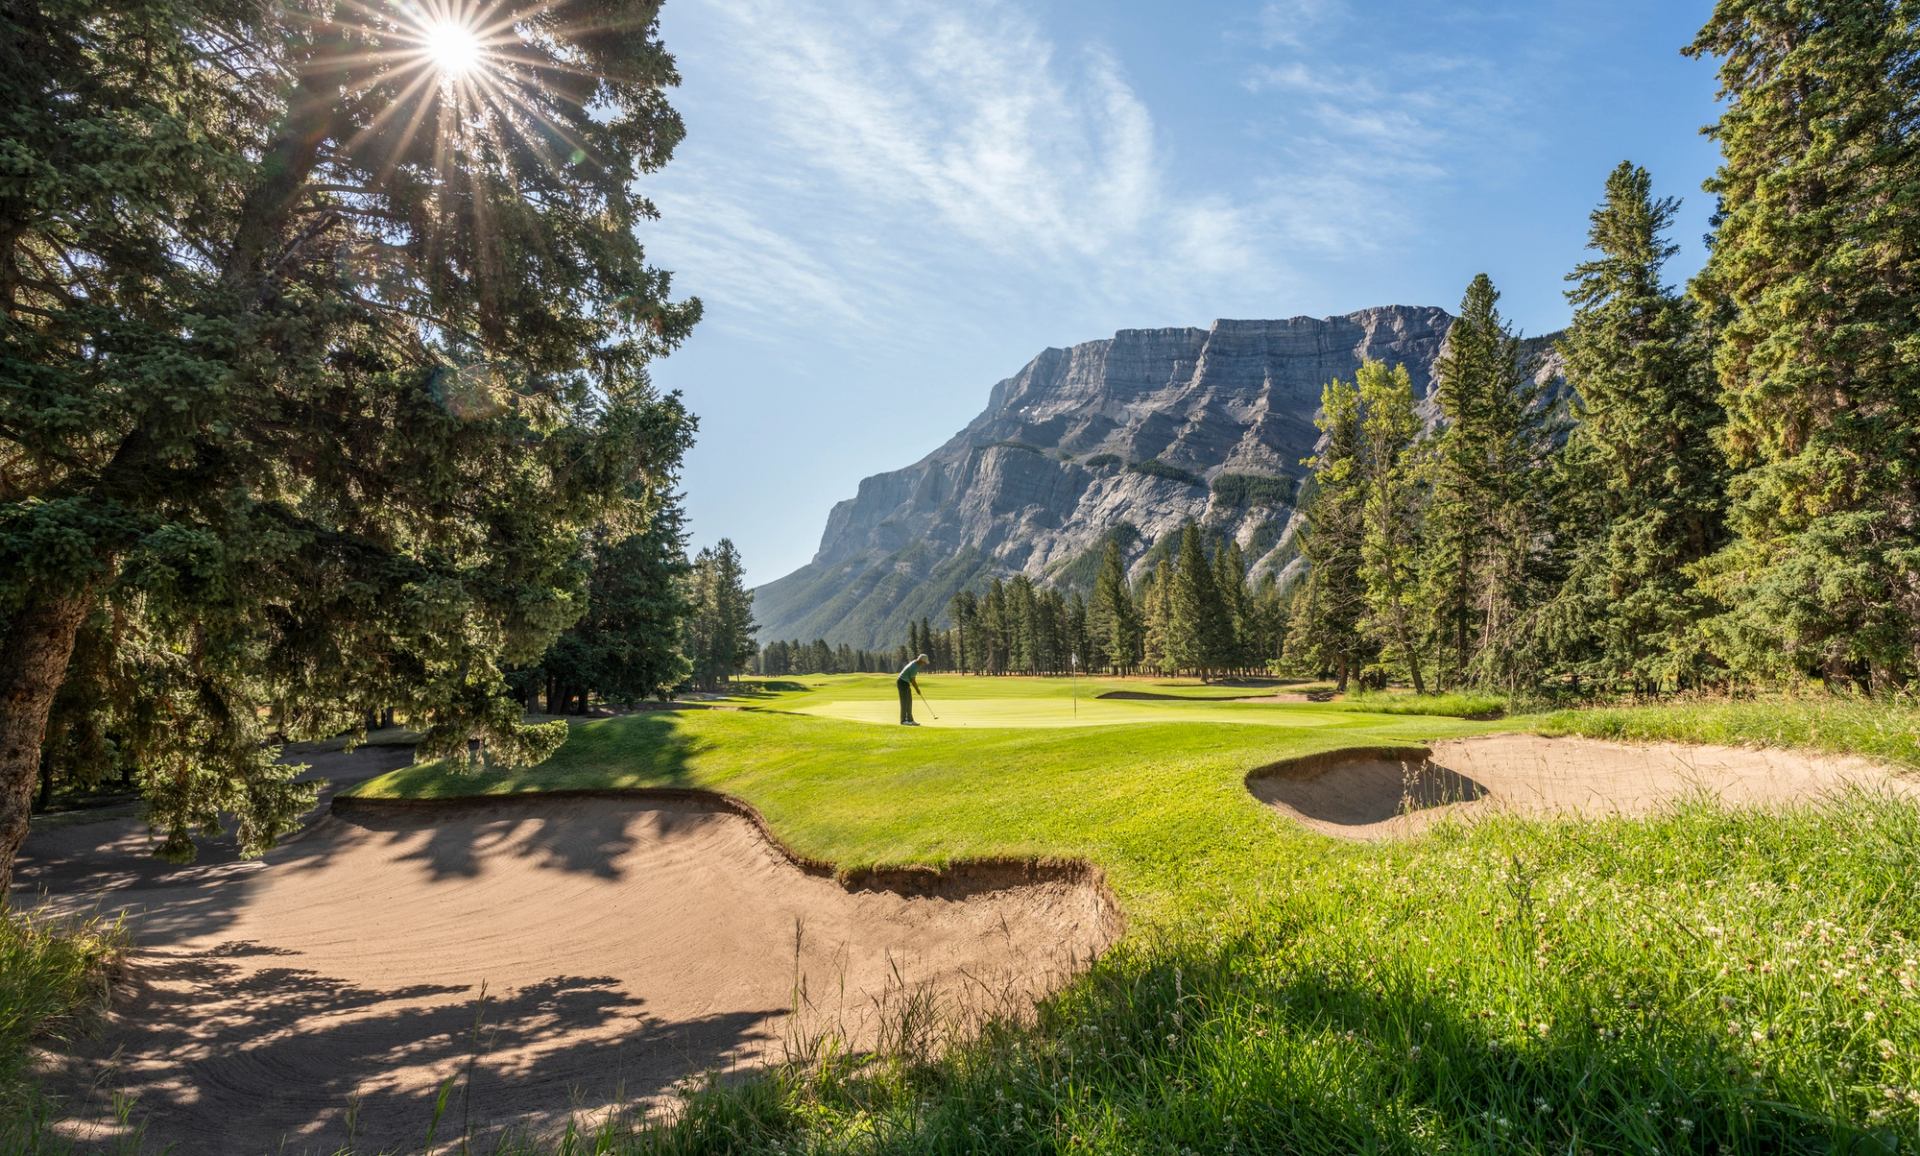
319, 366
1640, 483
720, 626
1812, 282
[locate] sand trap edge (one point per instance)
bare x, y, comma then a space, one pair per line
1308, 766
959, 880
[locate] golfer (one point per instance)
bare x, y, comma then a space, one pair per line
909, 682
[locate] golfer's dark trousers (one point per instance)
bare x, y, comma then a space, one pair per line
906, 702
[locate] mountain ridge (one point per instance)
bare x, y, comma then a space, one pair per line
1144, 429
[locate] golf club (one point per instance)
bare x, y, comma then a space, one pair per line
925, 703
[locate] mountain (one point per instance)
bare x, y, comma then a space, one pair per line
1130, 436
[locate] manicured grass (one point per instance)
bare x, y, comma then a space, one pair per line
1159, 804
1702, 981
1874, 728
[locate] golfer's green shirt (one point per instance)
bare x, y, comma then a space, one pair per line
910, 673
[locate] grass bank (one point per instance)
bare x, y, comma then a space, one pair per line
1887, 731
1702, 981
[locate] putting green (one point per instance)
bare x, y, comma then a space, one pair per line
959, 701
956, 712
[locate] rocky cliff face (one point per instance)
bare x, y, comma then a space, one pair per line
1135, 434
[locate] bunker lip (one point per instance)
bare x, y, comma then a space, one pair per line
1372, 793
960, 879
560, 951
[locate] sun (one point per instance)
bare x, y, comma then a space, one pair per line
452, 46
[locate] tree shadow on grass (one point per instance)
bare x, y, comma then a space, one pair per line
225, 1052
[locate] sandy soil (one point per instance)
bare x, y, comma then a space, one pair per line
544, 954
1384, 794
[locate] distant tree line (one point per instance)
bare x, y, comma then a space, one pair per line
821, 657
1191, 612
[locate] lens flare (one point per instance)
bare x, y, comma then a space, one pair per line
452, 46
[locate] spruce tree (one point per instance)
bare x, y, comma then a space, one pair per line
1155, 627
1640, 483
1390, 515
1077, 637
1230, 582
1113, 622
1812, 279
317, 365
994, 643
1326, 632
720, 631
1486, 518
964, 610
1198, 635
630, 643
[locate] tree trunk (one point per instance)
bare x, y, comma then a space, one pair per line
39, 643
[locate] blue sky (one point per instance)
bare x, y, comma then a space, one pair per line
888, 205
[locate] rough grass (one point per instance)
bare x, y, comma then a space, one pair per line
1678, 985
1878, 729
1457, 704
1702, 981
53, 976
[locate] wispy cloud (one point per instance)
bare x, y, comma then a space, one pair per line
962, 134
1365, 148
1294, 22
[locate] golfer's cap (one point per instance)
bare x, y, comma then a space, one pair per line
923, 658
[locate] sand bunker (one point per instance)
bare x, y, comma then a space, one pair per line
623, 945
1383, 793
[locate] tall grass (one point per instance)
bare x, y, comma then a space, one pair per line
54, 976
1877, 728
1451, 704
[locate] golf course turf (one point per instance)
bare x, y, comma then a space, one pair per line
1696, 980
1150, 791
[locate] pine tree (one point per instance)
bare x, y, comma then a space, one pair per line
720, 630
1197, 630
1486, 514
1230, 583
313, 381
1155, 627
1812, 276
1113, 623
1639, 483
630, 643
1328, 637
1390, 513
